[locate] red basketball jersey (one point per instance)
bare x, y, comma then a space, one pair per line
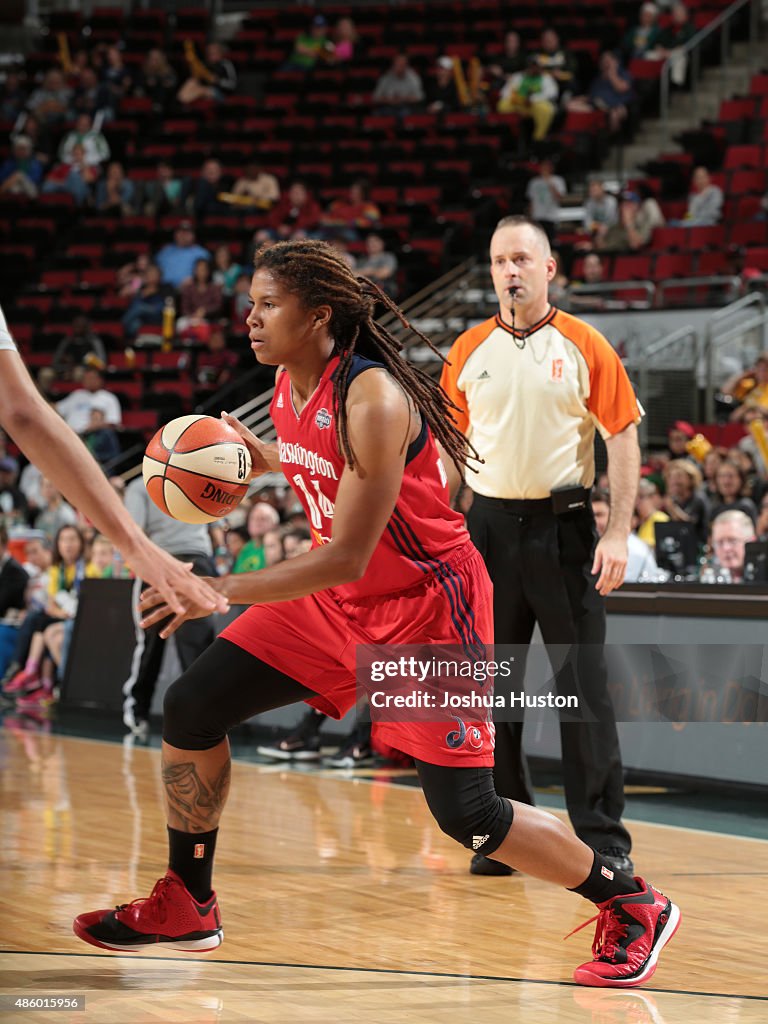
423, 529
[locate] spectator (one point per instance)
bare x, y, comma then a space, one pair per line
601, 211
731, 483
95, 146
241, 303
146, 308
272, 546
345, 217
296, 215
115, 193
200, 301
761, 529
705, 201
30, 484
612, 91
164, 194
670, 43
712, 461
296, 541
211, 183
76, 177
257, 185
130, 276
638, 218
225, 270
648, 512
544, 194
512, 61
235, 541
558, 62
592, 273
531, 93
379, 265
50, 102
441, 93
13, 504
261, 519
679, 436
749, 388
37, 564
13, 95
344, 41
640, 561
177, 259
215, 80
101, 559
684, 501
22, 173
55, 512
101, 439
399, 89
216, 364
76, 407
749, 446
310, 46
732, 530
157, 80
116, 82
75, 352
643, 37
85, 97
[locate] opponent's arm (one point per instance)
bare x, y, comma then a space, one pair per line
62, 457
379, 425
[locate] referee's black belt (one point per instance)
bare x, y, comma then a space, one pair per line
527, 506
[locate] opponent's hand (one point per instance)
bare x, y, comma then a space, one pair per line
257, 448
155, 608
173, 580
611, 562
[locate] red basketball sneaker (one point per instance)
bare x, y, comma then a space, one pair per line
631, 932
170, 917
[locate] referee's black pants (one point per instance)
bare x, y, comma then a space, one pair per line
191, 640
540, 567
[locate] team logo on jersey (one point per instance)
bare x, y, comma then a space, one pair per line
323, 419
557, 370
279, 402
458, 737
478, 841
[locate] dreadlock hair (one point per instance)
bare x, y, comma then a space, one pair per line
316, 273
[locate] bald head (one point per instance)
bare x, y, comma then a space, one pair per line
536, 232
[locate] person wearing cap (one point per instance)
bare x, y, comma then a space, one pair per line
177, 259
532, 93
310, 46
639, 215
22, 172
441, 92
678, 436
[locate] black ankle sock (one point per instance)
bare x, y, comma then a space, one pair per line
605, 882
190, 855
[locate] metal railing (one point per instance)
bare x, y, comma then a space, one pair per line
666, 383
606, 298
744, 322
692, 51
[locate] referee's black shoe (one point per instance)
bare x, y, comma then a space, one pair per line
618, 859
485, 866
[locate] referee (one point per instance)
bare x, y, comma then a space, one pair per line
531, 385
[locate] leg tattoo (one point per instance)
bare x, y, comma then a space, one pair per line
196, 804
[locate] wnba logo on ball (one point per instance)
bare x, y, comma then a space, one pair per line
323, 419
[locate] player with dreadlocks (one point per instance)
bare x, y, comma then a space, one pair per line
391, 563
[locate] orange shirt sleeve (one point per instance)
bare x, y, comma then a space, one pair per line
449, 381
612, 400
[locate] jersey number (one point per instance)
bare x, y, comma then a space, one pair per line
320, 505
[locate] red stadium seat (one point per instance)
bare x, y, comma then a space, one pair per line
673, 264
144, 420
743, 156
759, 85
757, 257
712, 264
55, 280
742, 182
100, 278
632, 268
750, 233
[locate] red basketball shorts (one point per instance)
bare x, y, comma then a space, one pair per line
313, 640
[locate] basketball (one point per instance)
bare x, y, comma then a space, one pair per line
196, 469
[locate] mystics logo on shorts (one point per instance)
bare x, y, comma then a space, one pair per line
323, 419
458, 737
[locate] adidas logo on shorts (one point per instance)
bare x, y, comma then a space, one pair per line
477, 841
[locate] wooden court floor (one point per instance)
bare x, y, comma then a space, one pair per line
341, 901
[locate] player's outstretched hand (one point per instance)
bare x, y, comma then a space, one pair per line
155, 608
173, 580
258, 449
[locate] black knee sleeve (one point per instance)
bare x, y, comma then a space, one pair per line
466, 806
190, 722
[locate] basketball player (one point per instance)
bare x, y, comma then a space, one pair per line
358, 431
63, 459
